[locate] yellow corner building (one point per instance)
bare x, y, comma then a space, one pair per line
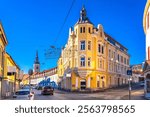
7, 83
10, 82
3, 44
92, 59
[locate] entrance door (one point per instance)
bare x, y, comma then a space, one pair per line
83, 84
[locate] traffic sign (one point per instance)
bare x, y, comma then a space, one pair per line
129, 72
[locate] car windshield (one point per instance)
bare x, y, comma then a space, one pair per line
47, 87
22, 92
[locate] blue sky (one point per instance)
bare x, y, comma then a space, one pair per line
32, 25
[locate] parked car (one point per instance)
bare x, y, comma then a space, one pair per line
47, 90
24, 94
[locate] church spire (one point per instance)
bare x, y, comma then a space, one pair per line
83, 14
36, 59
36, 65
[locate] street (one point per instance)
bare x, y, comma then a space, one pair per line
137, 93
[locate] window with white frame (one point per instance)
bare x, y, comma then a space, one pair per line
82, 61
82, 45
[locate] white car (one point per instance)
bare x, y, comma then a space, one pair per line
24, 94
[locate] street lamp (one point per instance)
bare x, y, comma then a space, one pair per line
129, 80
30, 72
129, 72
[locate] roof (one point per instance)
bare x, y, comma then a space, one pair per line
3, 34
113, 41
25, 76
83, 17
12, 60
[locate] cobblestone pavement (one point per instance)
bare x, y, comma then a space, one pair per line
111, 94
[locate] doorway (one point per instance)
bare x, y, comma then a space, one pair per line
83, 84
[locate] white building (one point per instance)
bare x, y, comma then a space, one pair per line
146, 25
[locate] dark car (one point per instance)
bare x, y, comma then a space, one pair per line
47, 90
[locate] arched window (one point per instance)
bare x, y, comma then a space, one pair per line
99, 48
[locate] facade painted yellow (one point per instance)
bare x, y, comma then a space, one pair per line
6, 82
10, 83
3, 43
91, 59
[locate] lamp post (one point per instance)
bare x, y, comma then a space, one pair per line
129, 80
129, 72
30, 72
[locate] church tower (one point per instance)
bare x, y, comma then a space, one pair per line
36, 65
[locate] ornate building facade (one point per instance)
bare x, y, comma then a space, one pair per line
92, 59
